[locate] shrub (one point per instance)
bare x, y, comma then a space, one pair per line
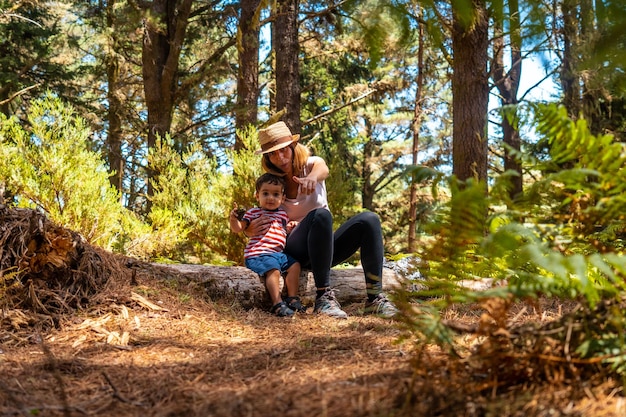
47, 165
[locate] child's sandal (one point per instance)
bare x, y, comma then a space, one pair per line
281, 310
295, 304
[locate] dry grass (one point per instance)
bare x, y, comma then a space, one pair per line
173, 352
196, 357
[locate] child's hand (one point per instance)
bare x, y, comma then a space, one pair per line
291, 225
237, 213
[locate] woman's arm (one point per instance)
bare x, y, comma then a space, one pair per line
257, 226
319, 172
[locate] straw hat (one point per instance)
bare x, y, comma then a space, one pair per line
275, 136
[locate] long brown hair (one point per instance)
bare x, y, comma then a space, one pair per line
300, 155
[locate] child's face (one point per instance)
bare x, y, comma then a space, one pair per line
270, 196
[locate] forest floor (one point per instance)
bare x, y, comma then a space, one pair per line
162, 348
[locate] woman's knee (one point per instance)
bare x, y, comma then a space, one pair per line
323, 218
371, 219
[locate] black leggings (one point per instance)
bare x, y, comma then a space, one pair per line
315, 246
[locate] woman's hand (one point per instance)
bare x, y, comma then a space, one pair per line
258, 226
306, 185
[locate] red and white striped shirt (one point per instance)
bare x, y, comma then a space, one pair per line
274, 239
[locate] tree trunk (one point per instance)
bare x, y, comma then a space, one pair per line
591, 97
470, 93
114, 116
508, 87
369, 148
287, 67
570, 81
240, 284
165, 24
248, 75
416, 124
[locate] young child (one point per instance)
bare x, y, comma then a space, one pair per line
264, 252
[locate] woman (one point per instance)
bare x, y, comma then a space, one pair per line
312, 242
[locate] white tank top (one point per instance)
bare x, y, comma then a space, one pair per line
297, 208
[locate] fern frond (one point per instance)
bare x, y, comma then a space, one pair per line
590, 184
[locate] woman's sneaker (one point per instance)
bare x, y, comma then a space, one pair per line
281, 310
295, 304
381, 306
328, 304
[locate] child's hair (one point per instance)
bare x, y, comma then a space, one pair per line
268, 178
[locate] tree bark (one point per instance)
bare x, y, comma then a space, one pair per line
507, 83
570, 81
591, 97
416, 124
287, 66
369, 149
165, 25
246, 112
240, 284
114, 116
470, 93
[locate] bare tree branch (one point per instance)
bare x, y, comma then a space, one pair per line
19, 93
335, 109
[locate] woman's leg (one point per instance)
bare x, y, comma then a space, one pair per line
363, 232
311, 243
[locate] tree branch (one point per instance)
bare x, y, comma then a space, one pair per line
336, 109
19, 93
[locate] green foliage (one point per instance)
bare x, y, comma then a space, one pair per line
246, 168
240, 189
47, 165
603, 61
343, 199
381, 24
192, 200
182, 203
537, 245
30, 41
584, 181
370, 43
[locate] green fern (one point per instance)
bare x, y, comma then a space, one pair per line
590, 177
561, 239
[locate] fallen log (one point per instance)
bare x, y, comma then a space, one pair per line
247, 288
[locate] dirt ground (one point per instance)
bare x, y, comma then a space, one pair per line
161, 347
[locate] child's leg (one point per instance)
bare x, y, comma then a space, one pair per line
272, 283
292, 279
292, 282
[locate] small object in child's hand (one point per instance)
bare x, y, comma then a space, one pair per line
240, 212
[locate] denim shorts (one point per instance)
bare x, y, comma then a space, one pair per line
264, 263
